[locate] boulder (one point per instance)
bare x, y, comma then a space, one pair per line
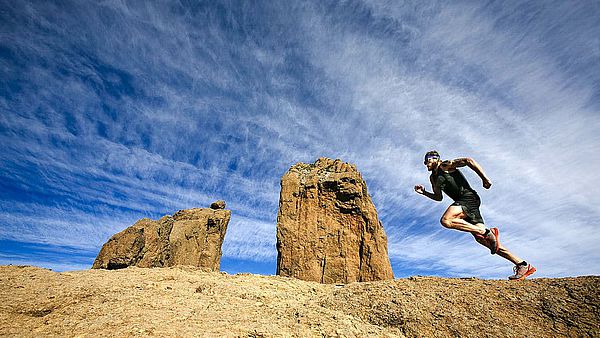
220, 204
189, 237
328, 230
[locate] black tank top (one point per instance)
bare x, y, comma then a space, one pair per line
454, 184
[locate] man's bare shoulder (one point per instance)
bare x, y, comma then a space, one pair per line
450, 165
447, 165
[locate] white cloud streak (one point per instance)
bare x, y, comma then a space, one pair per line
530, 151
227, 110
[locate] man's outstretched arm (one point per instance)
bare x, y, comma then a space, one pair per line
471, 163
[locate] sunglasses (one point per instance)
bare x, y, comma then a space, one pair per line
427, 158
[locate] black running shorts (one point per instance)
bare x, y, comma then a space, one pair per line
470, 204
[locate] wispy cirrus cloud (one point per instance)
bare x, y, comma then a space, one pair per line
524, 117
114, 111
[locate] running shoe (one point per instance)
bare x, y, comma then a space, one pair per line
522, 271
492, 240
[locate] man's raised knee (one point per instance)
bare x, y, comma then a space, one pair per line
446, 222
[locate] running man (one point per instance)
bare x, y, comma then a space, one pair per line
463, 214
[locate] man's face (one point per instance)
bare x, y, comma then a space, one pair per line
431, 163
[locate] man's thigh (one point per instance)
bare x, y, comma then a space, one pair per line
454, 211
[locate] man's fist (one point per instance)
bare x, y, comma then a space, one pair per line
419, 189
487, 184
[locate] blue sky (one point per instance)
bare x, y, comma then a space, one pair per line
116, 110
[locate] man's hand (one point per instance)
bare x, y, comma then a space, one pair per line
420, 189
486, 183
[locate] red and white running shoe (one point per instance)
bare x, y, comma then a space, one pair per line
522, 271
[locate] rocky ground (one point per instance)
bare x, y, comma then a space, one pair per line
186, 301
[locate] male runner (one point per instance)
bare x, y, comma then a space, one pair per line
464, 213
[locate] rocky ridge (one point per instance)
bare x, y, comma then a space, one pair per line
187, 301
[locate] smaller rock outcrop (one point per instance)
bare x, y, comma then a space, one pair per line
189, 237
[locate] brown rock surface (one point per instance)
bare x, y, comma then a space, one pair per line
189, 237
190, 302
328, 230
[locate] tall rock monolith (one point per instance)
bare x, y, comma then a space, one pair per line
328, 230
189, 237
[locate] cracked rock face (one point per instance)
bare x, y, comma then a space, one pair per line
328, 230
189, 237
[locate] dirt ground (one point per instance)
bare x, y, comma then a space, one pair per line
189, 302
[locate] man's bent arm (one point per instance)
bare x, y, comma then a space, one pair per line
432, 196
437, 193
479, 171
471, 163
